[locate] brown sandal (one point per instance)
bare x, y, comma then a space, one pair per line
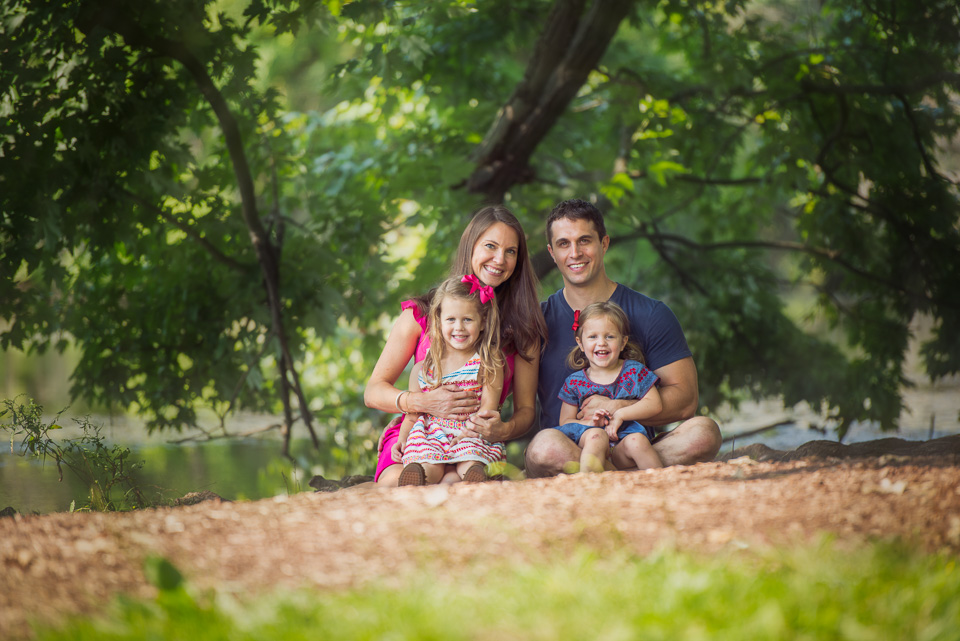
412, 474
476, 473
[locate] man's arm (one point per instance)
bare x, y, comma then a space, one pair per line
679, 395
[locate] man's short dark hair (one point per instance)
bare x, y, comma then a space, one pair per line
576, 209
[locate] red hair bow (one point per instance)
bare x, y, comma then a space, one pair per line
486, 292
576, 320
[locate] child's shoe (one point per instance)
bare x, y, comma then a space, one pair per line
412, 474
476, 473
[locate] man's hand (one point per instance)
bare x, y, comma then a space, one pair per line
592, 404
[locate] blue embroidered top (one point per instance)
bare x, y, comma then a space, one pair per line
633, 382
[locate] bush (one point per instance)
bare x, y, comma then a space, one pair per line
107, 471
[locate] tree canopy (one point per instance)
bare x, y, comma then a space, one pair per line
222, 203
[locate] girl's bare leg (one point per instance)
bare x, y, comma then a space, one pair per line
635, 450
466, 472
450, 475
434, 472
594, 445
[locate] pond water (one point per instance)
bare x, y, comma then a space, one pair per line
252, 468
244, 469
234, 468
930, 411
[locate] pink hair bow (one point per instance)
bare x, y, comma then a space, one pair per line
486, 292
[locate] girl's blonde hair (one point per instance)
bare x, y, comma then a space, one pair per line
576, 359
488, 344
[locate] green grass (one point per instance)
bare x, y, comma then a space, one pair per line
870, 592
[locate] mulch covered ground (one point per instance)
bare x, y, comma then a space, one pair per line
57, 564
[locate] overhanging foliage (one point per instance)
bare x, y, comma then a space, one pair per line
217, 201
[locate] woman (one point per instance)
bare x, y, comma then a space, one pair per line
494, 249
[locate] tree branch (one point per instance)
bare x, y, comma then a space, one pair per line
783, 245
920, 146
704, 180
920, 84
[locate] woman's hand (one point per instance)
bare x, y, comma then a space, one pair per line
396, 419
488, 425
447, 401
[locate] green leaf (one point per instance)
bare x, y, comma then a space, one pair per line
662, 169
162, 574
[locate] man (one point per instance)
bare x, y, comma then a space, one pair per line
577, 241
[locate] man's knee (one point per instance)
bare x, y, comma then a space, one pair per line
703, 439
696, 440
546, 454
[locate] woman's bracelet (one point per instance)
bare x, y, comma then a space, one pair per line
397, 401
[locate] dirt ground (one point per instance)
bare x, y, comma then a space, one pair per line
57, 564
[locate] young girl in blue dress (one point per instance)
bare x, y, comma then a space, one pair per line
609, 363
464, 329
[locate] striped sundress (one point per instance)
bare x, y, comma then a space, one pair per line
431, 436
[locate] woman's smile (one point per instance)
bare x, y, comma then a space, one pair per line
495, 255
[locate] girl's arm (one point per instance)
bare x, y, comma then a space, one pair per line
568, 413
489, 424
489, 407
380, 393
678, 395
405, 426
490, 392
649, 405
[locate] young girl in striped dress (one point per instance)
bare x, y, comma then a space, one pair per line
464, 329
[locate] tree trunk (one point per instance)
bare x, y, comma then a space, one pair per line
571, 45
114, 18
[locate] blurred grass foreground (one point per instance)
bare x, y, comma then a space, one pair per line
823, 591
